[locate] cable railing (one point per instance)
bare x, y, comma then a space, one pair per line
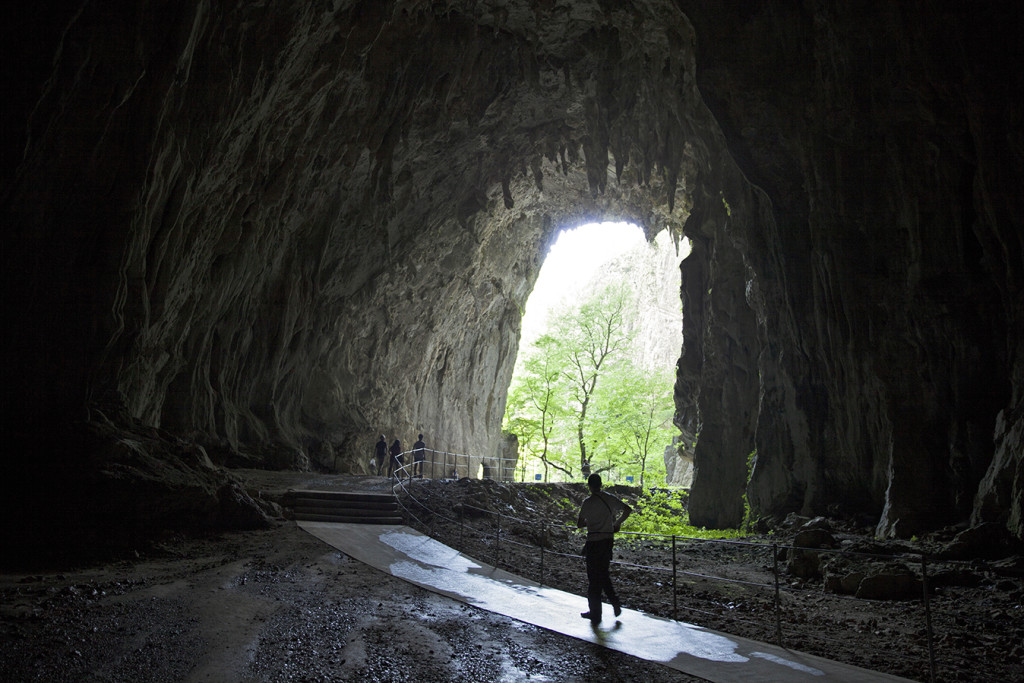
448, 465
777, 597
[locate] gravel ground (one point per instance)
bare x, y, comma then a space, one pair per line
276, 605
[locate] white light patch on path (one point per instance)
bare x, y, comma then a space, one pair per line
425, 562
428, 551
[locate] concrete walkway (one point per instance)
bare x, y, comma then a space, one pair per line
407, 554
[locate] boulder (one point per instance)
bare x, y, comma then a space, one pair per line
842, 574
843, 583
955, 577
988, 540
793, 520
893, 582
814, 538
804, 563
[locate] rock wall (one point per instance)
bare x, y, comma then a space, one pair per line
887, 281
678, 464
280, 230
653, 271
277, 230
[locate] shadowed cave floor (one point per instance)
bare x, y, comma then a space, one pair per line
271, 606
281, 605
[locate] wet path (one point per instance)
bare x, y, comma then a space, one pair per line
409, 555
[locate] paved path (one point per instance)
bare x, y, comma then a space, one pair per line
407, 554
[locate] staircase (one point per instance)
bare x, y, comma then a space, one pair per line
344, 506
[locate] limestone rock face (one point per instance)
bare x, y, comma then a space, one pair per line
678, 465
653, 272
281, 229
284, 229
886, 281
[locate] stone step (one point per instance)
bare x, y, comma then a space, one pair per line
342, 495
348, 520
309, 509
344, 506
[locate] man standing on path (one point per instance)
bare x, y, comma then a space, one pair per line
602, 514
395, 464
381, 455
417, 457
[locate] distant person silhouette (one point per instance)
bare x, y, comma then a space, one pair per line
395, 464
380, 454
417, 457
602, 514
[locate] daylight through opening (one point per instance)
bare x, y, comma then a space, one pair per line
592, 389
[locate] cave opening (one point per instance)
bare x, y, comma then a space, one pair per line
592, 387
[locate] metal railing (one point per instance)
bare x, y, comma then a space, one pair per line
449, 465
780, 594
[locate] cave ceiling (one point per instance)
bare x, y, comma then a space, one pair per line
275, 230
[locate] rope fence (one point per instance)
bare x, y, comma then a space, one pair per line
779, 598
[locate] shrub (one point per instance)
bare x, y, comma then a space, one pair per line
663, 513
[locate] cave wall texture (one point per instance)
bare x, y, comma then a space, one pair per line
268, 232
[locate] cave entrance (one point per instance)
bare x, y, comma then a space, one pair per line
592, 389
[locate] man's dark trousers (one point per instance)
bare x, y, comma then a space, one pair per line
599, 557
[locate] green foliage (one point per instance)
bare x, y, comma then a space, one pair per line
751, 461
577, 400
634, 420
536, 404
663, 513
595, 340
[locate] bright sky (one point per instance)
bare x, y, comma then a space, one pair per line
570, 264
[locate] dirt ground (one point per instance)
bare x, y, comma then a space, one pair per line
279, 605
274, 605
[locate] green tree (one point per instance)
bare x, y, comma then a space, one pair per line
536, 402
594, 337
632, 421
647, 420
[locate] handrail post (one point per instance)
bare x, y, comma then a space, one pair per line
462, 525
928, 617
497, 544
675, 599
543, 536
775, 573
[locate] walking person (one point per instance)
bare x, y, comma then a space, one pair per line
380, 454
602, 514
417, 457
395, 463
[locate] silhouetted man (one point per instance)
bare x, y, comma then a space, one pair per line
602, 514
417, 457
381, 454
395, 464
